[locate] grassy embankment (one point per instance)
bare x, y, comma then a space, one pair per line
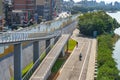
107, 69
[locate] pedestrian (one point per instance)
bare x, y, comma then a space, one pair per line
76, 44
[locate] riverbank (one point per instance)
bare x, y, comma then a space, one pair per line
116, 52
107, 69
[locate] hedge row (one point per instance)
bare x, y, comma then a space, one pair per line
107, 69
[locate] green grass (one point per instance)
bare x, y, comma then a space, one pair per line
26, 69
71, 44
42, 56
57, 65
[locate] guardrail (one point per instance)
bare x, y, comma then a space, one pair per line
46, 27
19, 36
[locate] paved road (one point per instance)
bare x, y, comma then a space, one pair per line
42, 72
69, 28
74, 69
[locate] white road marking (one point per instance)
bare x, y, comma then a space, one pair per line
84, 62
70, 57
72, 68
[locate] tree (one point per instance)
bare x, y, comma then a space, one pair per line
96, 21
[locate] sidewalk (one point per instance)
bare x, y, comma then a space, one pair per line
91, 64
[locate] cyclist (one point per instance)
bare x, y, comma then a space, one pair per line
80, 56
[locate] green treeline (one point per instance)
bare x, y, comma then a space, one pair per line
107, 69
104, 25
96, 21
84, 9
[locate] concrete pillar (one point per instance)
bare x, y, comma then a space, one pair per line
67, 46
47, 46
17, 61
62, 52
36, 51
56, 39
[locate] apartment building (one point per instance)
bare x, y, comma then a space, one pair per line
45, 8
40, 7
23, 11
58, 6
25, 5
1, 15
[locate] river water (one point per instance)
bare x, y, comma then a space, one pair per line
116, 52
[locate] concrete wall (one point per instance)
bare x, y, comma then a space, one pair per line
5, 66
6, 63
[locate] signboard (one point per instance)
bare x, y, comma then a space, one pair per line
94, 34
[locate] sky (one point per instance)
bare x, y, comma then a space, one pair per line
106, 1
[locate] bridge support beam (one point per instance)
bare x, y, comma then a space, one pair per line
47, 46
56, 39
62, 52
36, 51
17, 61
67, 46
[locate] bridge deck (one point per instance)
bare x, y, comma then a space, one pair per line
42, 72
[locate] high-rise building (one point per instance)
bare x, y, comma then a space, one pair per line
45, 8
40, 7
25, 5
58, 6
1, 15
23, 10
0, 7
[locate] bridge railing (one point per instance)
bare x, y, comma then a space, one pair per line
45, 27
19, 36
38, 61
50, 25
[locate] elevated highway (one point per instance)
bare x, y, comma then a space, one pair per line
35, 35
